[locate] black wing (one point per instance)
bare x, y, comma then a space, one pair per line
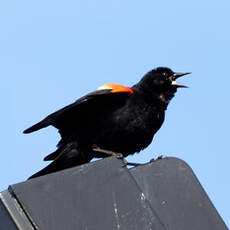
91, 103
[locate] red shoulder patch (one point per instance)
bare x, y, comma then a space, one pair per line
116, 88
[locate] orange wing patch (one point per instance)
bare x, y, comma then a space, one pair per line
116, 88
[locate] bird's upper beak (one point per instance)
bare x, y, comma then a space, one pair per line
177, 75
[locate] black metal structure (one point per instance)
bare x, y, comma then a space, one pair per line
161, 195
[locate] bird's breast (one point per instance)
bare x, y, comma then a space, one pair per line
133, 128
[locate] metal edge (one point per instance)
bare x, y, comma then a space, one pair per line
15, 211
143, 197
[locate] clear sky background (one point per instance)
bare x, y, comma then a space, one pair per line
53, 52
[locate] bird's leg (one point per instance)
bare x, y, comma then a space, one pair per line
111, 153
107, 152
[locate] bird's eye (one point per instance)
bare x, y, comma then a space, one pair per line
164, 74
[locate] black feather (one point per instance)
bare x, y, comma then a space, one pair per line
121, 122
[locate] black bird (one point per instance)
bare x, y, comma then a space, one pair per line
113, 119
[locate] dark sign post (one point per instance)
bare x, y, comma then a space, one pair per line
161, 195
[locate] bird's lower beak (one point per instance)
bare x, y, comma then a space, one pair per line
177, 75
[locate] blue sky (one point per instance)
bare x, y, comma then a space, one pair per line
52, 52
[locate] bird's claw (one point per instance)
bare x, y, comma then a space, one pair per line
158, 158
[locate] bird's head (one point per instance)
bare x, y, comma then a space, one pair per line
161, 83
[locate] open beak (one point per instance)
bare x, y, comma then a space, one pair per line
177, 75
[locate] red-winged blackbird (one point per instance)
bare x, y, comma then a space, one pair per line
114, 118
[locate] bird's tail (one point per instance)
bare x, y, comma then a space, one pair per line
69, 157
40, 125
52, 156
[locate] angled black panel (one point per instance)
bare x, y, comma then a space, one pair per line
99, 195
177, 196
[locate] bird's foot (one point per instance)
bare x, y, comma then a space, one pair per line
158, 158
107, 152
133, 164
117, 155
